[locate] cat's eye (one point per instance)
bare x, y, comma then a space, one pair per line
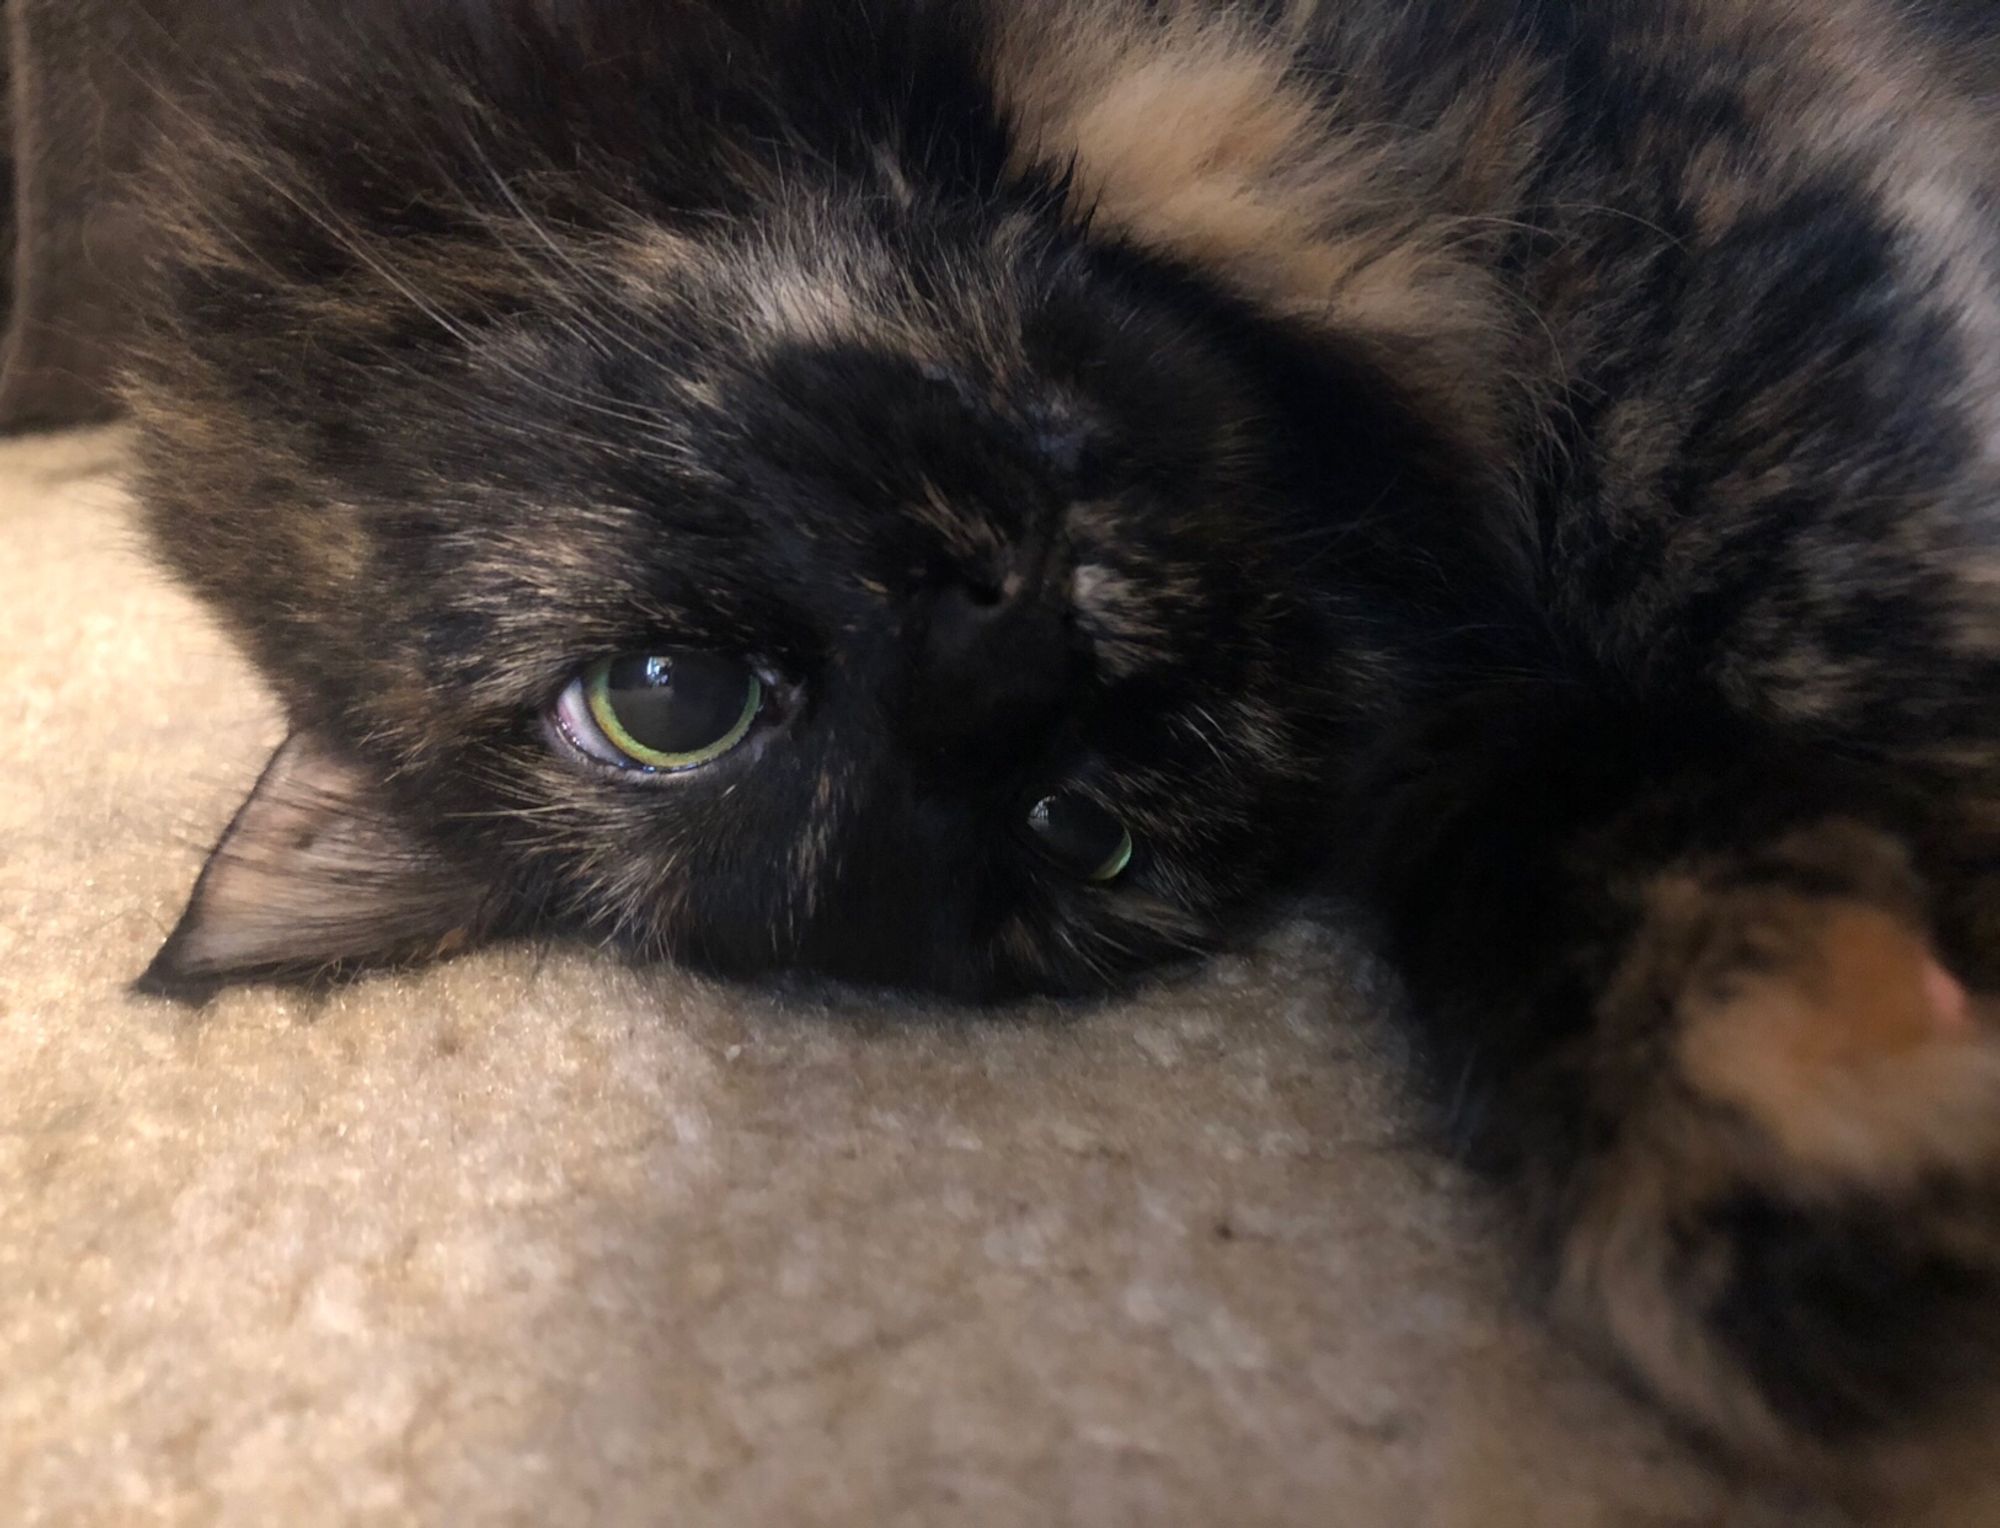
1081, 837
661, 712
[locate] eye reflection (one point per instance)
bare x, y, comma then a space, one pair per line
1081, 837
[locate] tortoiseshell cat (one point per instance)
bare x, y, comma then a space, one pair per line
986, 496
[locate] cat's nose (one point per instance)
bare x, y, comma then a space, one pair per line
993, 667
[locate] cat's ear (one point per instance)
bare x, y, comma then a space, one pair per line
313, 875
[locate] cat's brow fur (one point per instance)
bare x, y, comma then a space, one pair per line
1534, 463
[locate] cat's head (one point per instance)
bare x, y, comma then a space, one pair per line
866, 571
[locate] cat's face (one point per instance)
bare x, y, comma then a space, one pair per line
933, 615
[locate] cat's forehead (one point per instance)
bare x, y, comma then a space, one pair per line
809, 271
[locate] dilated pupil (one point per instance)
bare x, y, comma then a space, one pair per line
678, 702
1081, 837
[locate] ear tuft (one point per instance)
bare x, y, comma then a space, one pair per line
313, 877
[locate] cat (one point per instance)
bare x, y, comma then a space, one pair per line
994, 496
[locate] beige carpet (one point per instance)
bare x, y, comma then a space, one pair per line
530, 1239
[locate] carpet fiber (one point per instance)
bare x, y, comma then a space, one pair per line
532, 1238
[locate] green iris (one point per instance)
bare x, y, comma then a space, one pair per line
1119, 861
675, 710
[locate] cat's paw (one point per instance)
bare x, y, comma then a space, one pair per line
1795, 1238
1831, 1026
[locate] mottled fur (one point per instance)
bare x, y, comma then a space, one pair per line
1534, 464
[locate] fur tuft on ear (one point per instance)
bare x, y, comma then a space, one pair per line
312, 877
